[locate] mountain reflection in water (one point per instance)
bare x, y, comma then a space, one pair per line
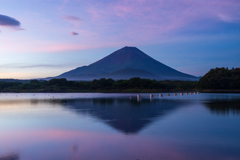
127, 116
224, 107
110, 126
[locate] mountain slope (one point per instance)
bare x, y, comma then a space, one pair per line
127, 57
128, 73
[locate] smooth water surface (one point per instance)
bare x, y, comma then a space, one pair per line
94, 126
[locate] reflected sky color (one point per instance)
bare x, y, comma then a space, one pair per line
80, 127
56, 36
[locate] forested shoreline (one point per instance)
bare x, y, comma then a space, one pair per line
220, 79
101, 85
216, 80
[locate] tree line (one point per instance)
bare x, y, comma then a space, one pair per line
220, 78
216, 79
63, 85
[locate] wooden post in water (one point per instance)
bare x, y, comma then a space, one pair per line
160, 95
139, 98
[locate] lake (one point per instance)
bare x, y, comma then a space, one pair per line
96, 126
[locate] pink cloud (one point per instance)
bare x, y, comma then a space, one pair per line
152, 19
127, 22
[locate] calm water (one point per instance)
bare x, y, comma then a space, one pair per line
117, 127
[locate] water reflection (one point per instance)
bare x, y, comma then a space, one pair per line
127, 116
224, 107
12, 156
170, 128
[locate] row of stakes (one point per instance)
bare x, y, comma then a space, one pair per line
139, 97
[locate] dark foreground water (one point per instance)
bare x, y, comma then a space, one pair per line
117, 127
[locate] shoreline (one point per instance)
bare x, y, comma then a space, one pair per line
122, 91
219, 91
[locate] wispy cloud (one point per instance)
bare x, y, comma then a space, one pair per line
6, 21
71, 18
75, 21
127, 22
23, 66
74, 33
41, 66
144, 20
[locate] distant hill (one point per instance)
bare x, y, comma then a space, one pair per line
123, 62
14, 80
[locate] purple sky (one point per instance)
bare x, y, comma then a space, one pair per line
42, 38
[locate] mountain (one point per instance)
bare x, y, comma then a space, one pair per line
121, 61
128, 73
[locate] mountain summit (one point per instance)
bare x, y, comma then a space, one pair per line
123, 63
